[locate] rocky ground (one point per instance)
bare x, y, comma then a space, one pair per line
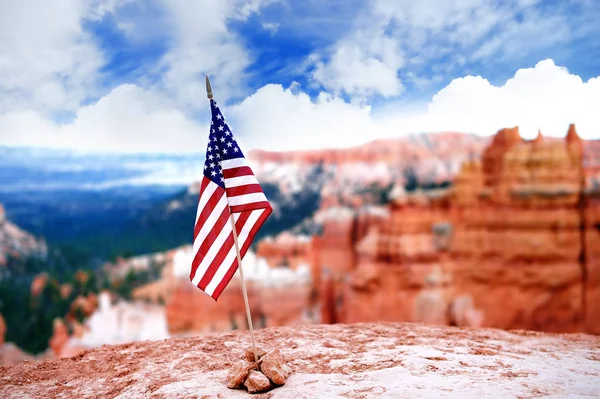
329, 361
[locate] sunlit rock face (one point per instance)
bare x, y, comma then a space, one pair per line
278, 295
519, 228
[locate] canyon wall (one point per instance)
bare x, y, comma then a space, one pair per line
514, 244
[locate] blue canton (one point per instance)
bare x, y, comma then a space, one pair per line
221, 145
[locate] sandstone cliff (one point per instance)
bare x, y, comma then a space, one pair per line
335, 361
520, 228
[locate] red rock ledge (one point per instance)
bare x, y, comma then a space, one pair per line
329, 361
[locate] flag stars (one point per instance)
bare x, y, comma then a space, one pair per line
222, 139
219, 116
213, 173
229, 144
221, 128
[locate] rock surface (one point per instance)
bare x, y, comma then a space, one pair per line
330, 361
257, 382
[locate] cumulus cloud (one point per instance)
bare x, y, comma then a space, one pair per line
203, 44
47, 61
362, 69
287, 119
546, 96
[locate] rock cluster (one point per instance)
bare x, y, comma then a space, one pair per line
269, 372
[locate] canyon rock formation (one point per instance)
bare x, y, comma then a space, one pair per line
328, 361
513, 244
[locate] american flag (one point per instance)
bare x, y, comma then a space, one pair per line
228, 187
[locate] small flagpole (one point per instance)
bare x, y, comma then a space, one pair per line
239, 257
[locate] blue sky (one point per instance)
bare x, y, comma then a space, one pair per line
127, 75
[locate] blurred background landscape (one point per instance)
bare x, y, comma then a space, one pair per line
435, 168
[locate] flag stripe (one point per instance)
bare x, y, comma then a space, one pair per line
211, 216
243, 249
232, 255
204, 196
215, 246
240, 181
247, 198
222, 258
233, 163
203, 245
217, 200
250, 207
235, 172
214, 230
241, 190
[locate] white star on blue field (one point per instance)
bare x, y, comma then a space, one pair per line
128, 75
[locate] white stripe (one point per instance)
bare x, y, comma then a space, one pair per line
204, 197
213, 251
233, 163
240, 181
210, 223
224, 267
247, 199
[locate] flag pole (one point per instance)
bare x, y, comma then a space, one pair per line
209, 94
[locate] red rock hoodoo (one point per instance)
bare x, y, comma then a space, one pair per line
514, 244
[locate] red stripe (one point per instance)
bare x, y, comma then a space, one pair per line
257, 225
223, 251
203, 184
217, 262
239, 171
227, 278
245, 189
208, 209
208, 241
251, 207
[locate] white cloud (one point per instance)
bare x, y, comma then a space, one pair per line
49, 64
271, 27
361, 69
128, 119
278, 118
47, 61
546, 96
136, 120
203, 44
